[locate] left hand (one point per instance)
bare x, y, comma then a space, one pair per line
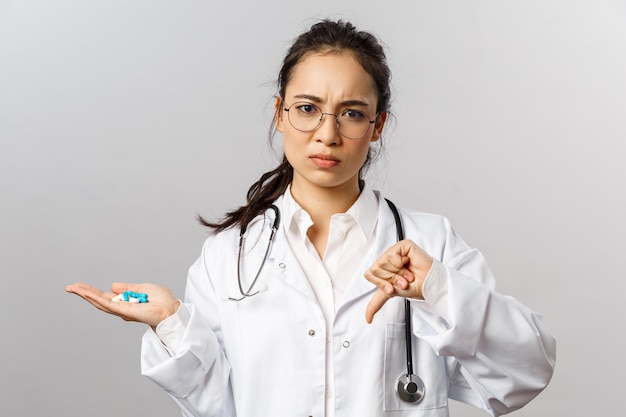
400, 270
161, 305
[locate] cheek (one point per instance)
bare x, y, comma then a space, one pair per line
362, 152
293, 145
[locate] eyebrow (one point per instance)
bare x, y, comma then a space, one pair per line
317, 99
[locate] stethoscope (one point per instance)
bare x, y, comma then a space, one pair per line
409, 386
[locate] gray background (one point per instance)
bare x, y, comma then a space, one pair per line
119, 120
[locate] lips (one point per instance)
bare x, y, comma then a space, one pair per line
324, 161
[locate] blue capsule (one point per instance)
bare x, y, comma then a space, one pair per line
132, 297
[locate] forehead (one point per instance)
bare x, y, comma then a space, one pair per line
331, 76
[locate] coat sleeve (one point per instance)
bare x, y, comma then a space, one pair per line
500, 353
197, 378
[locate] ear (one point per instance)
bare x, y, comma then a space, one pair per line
378, 126
278, 114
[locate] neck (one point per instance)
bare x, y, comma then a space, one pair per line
322, 202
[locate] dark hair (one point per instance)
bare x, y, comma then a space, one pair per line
325, 36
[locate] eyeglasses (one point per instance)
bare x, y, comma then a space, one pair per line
350, 123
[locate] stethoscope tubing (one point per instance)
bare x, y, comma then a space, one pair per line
407, 304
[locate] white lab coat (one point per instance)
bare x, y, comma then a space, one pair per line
265, 355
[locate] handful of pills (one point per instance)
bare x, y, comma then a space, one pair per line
132, 297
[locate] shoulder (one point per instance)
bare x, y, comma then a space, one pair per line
432, 232
425, 219
228, 239
220, 244
429, 230
435, 234
412, 218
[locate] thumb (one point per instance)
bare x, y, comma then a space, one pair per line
120, 287
376, 302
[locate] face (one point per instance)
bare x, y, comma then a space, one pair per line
323, 158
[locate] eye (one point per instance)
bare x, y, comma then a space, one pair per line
353, 115
307, 108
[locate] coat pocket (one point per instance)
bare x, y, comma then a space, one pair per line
426, 364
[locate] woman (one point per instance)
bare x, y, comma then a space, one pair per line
278, 330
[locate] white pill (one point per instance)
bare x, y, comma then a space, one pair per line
133, 300
118, 297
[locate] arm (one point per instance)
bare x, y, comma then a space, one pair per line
503, 355
504, 352
196, 376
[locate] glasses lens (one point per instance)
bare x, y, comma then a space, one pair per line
304, 116
353, 124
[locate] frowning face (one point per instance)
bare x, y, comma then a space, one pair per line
336, 84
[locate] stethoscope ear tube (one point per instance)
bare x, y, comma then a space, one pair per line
410, 387
242, 238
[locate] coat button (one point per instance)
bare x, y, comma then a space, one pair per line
311, 332
346, 344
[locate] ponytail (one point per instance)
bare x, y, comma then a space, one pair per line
260, 197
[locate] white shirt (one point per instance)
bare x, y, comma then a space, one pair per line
350, 237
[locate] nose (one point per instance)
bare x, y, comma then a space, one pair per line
327, 131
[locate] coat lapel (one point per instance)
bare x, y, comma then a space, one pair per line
286, 267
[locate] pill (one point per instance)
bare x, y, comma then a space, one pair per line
131, 297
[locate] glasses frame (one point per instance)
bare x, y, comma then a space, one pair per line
321, 120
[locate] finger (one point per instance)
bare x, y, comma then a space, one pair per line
82, 289
375, 304
393, 262
388, 272
382, 277
120, 287
402, 274
401, 282
102, 301
383, 284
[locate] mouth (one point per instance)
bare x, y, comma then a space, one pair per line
324, 161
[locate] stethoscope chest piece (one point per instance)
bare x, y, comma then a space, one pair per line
410, 388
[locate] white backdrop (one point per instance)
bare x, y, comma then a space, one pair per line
120, 120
